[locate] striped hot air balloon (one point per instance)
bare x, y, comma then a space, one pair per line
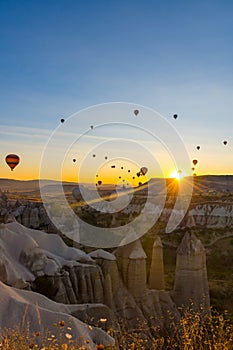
12, 160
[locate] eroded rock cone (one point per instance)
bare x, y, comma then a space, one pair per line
156, 278
191, 283
131, 260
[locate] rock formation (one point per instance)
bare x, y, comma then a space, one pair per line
131, 261
103, 283
25, 309
156, 277
191, 283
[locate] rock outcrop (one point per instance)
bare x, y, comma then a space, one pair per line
156, 277
21, 309
114, 285
131, 261
191, 283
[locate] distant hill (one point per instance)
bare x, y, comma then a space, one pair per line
205, 183
31, 186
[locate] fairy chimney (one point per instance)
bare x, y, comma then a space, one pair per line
156, 278
191, 283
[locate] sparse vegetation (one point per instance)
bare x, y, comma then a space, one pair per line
194, 331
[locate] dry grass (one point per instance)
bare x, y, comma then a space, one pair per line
193, 332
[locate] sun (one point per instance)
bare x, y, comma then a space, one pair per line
178, 175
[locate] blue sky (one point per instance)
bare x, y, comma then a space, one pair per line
58, 57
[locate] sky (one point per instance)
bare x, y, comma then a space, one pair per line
60, 57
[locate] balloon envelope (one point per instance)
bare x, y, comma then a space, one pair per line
195, 161
144, 170
198, 147
225, 143
136, 111
12, 160
175, 116
62, 120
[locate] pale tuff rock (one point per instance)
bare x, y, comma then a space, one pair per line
214, 215
25, 308
156, 278
131, 261
43, 262
191, 283
34, 220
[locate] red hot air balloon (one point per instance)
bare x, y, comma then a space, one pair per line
195, 161
136, 111
12, 160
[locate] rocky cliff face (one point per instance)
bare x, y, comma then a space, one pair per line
33, 215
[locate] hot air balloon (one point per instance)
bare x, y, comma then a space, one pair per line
225, 143
99, 182
96, 175
122, 168
113, 166
133, 177
92, 127
138, 174
62, 120
105, 157
198, 147
93, 155
12, 160
74, 160
195, 161
119, 177
193, 169
128, 171
136, 111
175, 116
144, 170
140, 184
